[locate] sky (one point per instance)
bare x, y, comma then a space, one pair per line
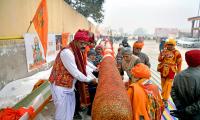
149, 14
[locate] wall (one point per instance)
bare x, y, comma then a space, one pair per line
15, 18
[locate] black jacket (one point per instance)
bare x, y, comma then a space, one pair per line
186, 93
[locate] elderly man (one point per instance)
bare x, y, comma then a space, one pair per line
69, 66
137, 47
144, 95
186, 89
170, 64
128, 62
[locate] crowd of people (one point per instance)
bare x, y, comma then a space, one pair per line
74, 79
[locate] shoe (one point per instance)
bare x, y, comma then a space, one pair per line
89, 110
89, 113
77, 116
88, 117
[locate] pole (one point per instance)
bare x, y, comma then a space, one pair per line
29, 26
198, 30
198, 9
193, 21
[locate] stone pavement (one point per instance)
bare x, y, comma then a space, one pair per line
49, 110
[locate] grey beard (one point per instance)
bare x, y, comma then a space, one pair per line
82, 49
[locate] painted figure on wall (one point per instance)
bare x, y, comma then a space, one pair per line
37, 53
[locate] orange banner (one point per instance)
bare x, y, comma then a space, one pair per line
40, 22
65, 37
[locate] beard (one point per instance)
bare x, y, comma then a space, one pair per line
82, 49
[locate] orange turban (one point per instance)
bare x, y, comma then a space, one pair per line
141, 71
138, 44
170, 41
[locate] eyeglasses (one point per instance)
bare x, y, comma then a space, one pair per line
84, 43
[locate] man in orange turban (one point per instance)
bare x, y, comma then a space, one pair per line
170, 63
144, 96
137, 47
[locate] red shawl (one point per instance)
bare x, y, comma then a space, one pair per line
81, 64
79, 57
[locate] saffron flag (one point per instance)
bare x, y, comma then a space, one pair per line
40, 22
65, 37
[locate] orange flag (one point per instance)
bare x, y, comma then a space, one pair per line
65, 37
40, 22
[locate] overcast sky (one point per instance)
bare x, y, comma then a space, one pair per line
148, 14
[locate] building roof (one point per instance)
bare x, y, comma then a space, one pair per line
194, 18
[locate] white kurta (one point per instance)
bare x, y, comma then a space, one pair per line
64, 98
89, 69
